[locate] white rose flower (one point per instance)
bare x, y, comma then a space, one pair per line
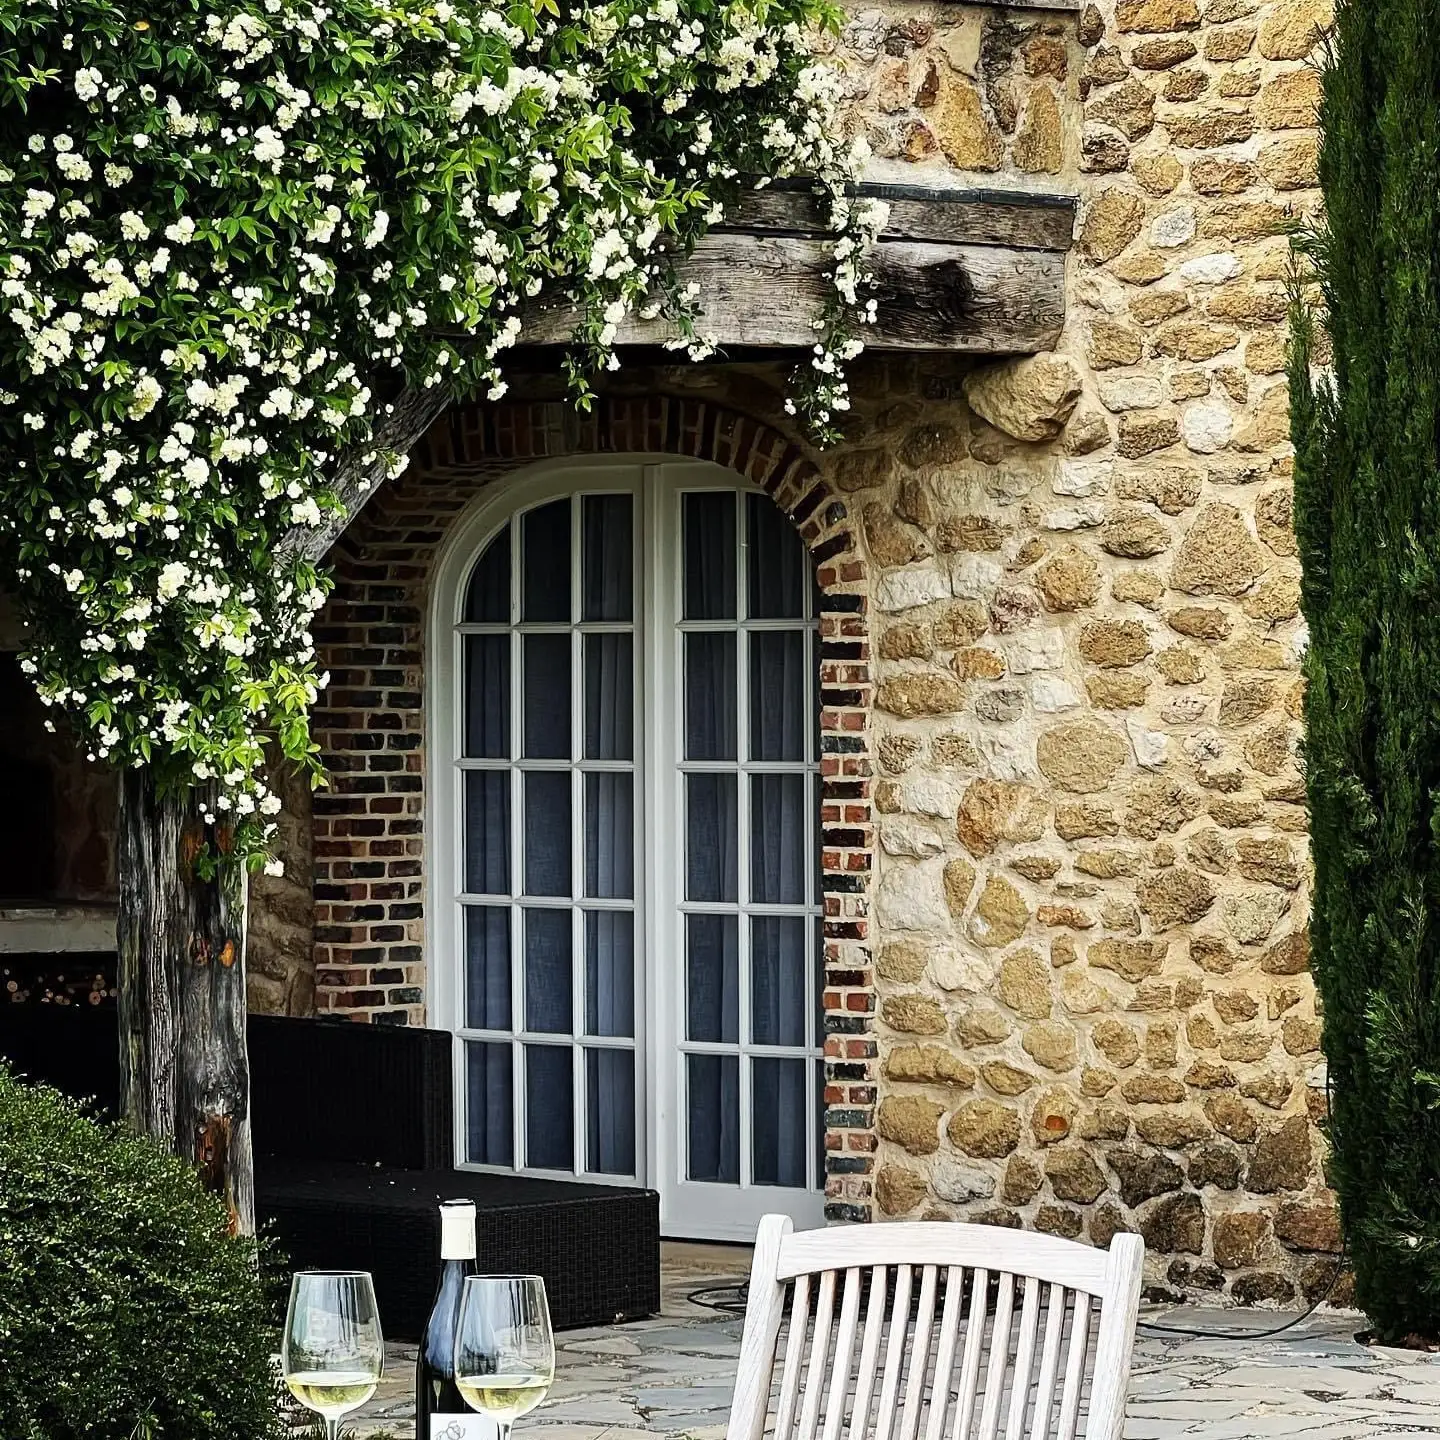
172, 580
378, 229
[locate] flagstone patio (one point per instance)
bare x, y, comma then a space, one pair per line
671, 1376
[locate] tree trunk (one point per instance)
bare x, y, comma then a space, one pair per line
357, 479
185, 1076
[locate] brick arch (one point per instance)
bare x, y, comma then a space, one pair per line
369, 823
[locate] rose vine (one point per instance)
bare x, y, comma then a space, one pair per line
231, 236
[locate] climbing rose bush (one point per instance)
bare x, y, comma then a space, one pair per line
232, 235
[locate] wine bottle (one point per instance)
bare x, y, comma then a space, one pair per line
440, 1411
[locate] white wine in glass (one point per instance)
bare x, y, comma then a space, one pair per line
504, 1348
333, 1353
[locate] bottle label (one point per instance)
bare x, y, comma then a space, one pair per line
463, 1427
457, 1230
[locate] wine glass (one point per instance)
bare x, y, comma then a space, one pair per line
504, 1348
333, 1353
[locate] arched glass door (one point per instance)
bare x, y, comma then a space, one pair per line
634, 819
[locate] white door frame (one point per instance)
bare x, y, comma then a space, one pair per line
690, 1208
710, 1210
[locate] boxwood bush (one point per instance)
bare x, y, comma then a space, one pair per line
126, 1309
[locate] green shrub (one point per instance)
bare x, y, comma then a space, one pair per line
125, 1307
1367, 513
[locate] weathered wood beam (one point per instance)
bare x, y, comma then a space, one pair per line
960, 270
1030, 4
766, 290
1022, 219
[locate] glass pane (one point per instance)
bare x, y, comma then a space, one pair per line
609, 835
487, 832
777, 567
709, 520
779, 961
779, 819
487, 602
712, 978
548, 976
608, 558
547, 832
610, 1106
487, 697
780, 698
609, 972
549, 1108
710, 837
777, 1122
713, 1118
547, 697
545, 547
487, 967
710, 695
609, 697
489, 1104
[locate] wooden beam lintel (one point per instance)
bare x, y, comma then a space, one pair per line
1020, 219
765, 290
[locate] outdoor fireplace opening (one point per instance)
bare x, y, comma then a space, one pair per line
28, 862
57, 863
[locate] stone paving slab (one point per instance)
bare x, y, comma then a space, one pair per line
670, 1377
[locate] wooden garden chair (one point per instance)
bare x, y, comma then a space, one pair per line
1032, 1340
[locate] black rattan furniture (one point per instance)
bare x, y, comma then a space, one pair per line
353, 1130
596, 1245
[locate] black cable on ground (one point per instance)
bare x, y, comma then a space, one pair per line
736, 1293
729, 1297
1196, 1333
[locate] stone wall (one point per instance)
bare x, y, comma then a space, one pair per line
279, 945
1075, 995
1094, 1005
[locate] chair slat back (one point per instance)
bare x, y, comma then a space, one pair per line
934, 1331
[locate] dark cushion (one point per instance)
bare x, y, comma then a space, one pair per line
598, 1246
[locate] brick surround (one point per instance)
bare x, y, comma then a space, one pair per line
369, 836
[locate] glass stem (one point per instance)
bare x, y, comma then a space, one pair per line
503, 1427
332, 1428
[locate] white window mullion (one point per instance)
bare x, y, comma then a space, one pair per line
656, 857
516, 780
742, 847
459, 988
642, 1088
579, 1126
814, 1021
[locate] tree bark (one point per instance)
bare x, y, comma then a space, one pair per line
184, 1072
356, 480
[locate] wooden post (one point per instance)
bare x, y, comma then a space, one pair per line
184, 1072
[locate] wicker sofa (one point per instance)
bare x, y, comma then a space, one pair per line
354, 1140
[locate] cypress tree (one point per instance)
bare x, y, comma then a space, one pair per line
1366, 423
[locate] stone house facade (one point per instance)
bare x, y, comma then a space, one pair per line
1062, 837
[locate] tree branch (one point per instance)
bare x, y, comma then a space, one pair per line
355, 482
